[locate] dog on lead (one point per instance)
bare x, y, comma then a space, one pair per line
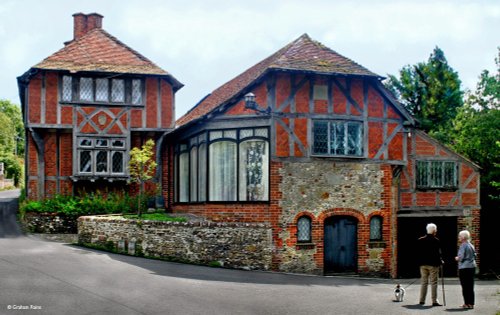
399, 293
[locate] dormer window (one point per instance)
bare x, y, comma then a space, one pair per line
102, 90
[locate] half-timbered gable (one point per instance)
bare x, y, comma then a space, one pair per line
85, 106
313, 144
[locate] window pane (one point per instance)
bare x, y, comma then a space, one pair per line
85, 143
449, 174
222, 178
422, 174
230, 134
340, 143
101, 143
354, 139
320, 131
101, 90
202, 176
117, 160
214, 135
86, 89
194, 174
101, 162
136, 92
376, 228
254, 171
436, 174
67, 92
117, 91
261, 132
304, 229
118, 143
85, 162
246, 133
184, 177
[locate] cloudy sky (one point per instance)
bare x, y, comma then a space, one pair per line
206, 43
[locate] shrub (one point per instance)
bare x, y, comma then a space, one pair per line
93, 203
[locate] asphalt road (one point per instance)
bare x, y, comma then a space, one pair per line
55, 278
43, 277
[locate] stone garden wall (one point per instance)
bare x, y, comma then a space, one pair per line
233, 245
49, 223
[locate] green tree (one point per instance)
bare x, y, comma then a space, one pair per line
7, 140
477, 128
13, 112
142, 168
431, 92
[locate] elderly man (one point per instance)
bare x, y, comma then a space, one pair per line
429, 254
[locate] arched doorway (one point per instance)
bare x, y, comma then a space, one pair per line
340, 244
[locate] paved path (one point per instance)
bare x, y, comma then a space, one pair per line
64, 279
8, 209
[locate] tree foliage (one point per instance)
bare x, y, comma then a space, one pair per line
476, 129
431, 92
16, 132
142, 168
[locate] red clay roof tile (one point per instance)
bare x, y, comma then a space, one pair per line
303, 54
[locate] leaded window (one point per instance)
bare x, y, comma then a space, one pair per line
102, 90
254, 169
337, 138
117, 91
376, 228
100, 156
223, 165
86, 89
304, 229
222, 171
67, 88
436, 174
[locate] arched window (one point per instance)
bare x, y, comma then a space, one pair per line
304, 229
376, 228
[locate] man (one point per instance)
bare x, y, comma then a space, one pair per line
429, 251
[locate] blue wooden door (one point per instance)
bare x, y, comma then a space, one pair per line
340, 244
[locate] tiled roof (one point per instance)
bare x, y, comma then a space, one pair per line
303, 54
101, 52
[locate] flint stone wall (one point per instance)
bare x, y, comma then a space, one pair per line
49, 223
233, 245
317, 188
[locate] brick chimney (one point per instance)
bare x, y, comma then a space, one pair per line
84, 23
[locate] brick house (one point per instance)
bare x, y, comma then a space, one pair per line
85, 106
313, 144
307, 141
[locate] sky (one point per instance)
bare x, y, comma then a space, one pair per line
207, 43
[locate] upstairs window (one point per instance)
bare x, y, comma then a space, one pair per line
337, 138
102, 90
436, 174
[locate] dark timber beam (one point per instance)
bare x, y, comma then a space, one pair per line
40, 148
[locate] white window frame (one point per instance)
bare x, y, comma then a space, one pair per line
360, 146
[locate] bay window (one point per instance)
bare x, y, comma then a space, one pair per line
224, 165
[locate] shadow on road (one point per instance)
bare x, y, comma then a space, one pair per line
205, 273
8, 223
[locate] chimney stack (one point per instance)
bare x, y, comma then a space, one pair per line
84, 23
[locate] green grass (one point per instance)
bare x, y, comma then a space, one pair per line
155, 217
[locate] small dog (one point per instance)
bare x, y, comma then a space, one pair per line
399, 293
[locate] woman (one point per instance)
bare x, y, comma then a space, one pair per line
466, 258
